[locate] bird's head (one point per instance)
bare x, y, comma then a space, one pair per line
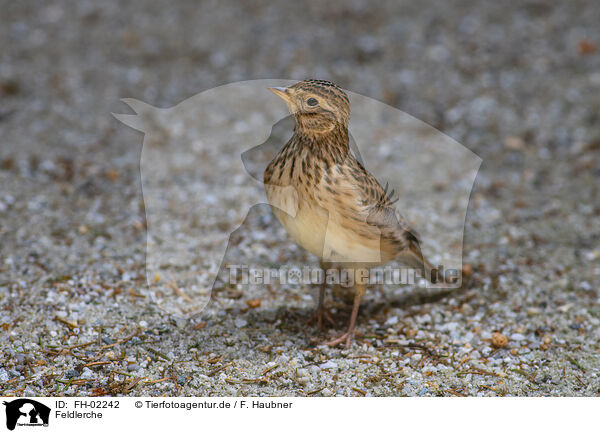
318, 106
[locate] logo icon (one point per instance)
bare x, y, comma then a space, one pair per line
26, 412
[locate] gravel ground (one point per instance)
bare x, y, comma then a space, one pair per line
517, 85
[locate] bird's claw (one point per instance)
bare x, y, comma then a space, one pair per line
345, 337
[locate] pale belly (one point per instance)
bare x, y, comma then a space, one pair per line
319, 231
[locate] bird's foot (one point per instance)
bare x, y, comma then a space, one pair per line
318, 316
346, 338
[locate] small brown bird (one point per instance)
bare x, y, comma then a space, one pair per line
327, 201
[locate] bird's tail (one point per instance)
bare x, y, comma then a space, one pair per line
416, 259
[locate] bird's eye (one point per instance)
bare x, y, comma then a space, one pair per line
312, 102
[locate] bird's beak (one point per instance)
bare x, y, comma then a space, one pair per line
282, 92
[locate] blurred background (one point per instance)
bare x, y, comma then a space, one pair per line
516, 83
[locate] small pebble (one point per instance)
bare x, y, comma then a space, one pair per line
302, 372
499, 340
133, 367
253, 303
391, 320
71, 373
326, 392
87, 374
328, 364
240, 323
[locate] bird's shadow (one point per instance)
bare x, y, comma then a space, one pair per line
299, 325
370, 308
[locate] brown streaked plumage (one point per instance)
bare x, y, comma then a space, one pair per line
326, 200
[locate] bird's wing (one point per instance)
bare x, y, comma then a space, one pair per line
354, 194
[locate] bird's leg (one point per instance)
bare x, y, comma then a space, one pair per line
347, 336
321, 311
320, 306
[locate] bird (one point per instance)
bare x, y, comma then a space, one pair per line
328, 202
